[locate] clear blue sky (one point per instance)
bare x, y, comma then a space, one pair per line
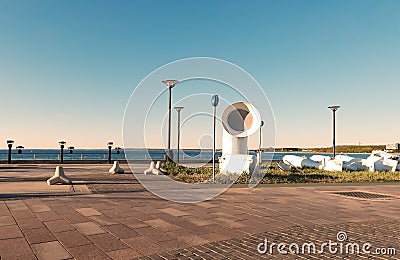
67, 68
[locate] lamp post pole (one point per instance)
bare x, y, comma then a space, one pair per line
179, 109
9, 144
109, 144
259, 144
62, 145
170, 84
214, 103
334, 109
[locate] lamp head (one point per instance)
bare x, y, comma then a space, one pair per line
110, 144
334, 108
178, 109
10, 142
170, 82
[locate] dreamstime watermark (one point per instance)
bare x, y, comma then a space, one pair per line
340, 246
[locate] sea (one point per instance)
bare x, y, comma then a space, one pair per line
138, 154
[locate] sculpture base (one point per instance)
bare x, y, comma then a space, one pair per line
237, 163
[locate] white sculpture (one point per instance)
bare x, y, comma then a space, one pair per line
240, 120
115, 169
153, 169
59, 177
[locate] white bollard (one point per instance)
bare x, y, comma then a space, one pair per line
152, 169
59, 177
115, 169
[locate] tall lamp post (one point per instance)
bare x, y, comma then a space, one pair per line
109, 144
214, 103
62, 145
334, 109
179, 109
259, 144
9, 144
170, 83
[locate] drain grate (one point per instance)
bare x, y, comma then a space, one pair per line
363, 195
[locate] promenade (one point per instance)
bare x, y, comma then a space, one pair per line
104, 216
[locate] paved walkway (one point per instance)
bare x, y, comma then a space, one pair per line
132, 223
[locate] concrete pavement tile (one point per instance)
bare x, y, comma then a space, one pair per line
144, 246
59, 226
174, 212
162, 225
7, 232
121, 231
132, 222
103, 220
39, 235
88, 212
89, 228
14, 248
198, 221
88, 252
36, 208
48, 216
50, 250
16, 205
7, 221
72, 239
212, 237
192, 240
21, 214
107, 242
174, 244
74, 217
29, 223
123, 254
154, 234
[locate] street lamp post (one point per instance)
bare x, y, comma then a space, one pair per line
118, 150
9, 144
259, 144
179, 109
214, 103
71, 149
109, 144
334, 109
62, 145
170, 83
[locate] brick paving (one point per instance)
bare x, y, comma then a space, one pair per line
120, 220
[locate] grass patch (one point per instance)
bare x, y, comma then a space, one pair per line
272, 175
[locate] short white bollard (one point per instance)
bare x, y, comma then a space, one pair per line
115, 169
59, 177
152, 169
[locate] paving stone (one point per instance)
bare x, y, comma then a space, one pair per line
15, 248
21, 214
89, 228
88, 252
48, 216
72, 239
12, 231
107, 242
144, 246
88, 212
40, 208
162, 225
154, 234
123, 254
174, 212
121, 231
6, 221
58, 226
29, 223
39, 235
103, 220
50, 250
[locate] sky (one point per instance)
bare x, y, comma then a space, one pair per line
68, 68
